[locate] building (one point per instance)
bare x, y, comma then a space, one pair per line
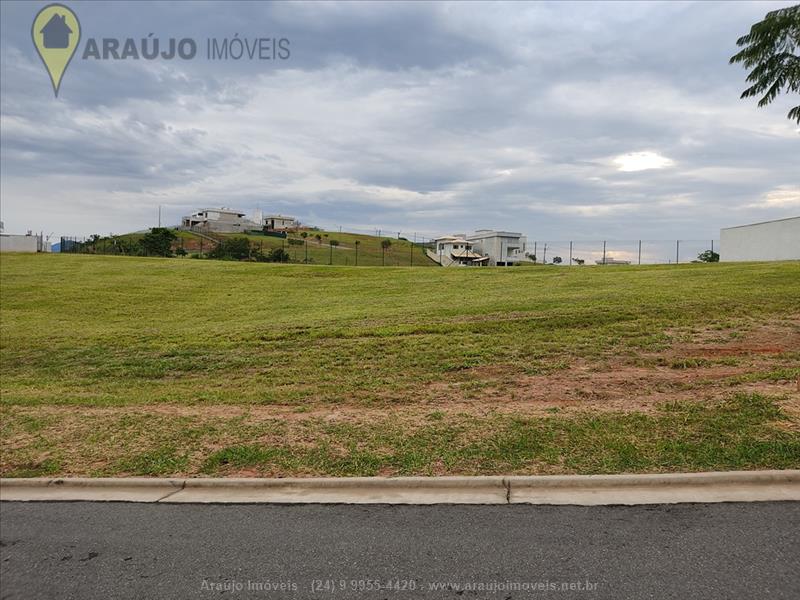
219, 220
503, 248
279, 223
23, 243
770, 240
455, 251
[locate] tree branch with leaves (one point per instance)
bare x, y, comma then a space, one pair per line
770, 52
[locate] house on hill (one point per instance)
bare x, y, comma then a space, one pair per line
56, 32
279, 223
219, 220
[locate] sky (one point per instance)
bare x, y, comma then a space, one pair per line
563, 121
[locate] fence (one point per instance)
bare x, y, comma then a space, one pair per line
610, 252
322, 248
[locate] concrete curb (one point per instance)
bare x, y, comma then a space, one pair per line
587, 490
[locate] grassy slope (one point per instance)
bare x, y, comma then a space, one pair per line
119, 332
369, 250
399, 254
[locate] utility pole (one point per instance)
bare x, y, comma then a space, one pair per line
604, 252
570, 254
640, 251
677, 251
159, 215
412, 255
544, 254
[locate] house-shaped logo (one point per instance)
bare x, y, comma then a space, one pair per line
56, 33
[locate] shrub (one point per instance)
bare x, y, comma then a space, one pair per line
237, 248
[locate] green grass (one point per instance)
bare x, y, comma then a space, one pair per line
118, 331
89, 338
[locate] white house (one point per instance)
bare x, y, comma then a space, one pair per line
220, 220
770, 240
455, 251
279, 223
503, 248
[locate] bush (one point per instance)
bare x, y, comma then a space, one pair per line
158, 242
237, 248
277, 255
708, 256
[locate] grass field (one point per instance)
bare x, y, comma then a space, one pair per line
146, 366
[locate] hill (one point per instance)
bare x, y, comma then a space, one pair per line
308, 246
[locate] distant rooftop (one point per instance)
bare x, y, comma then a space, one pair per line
493, 232
223, 209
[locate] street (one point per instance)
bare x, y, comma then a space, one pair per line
117, 550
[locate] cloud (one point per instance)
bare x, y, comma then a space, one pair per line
642, 161
558, 120
786, 196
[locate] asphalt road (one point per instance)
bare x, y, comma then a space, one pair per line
104, 550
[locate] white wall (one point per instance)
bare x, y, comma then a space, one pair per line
773, 240
19, 243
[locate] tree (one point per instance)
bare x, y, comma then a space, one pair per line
557, 260
385, 245
769, 51
158, 242
708, 256
333, 244
579, 261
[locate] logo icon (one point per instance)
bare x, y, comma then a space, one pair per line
56, 33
